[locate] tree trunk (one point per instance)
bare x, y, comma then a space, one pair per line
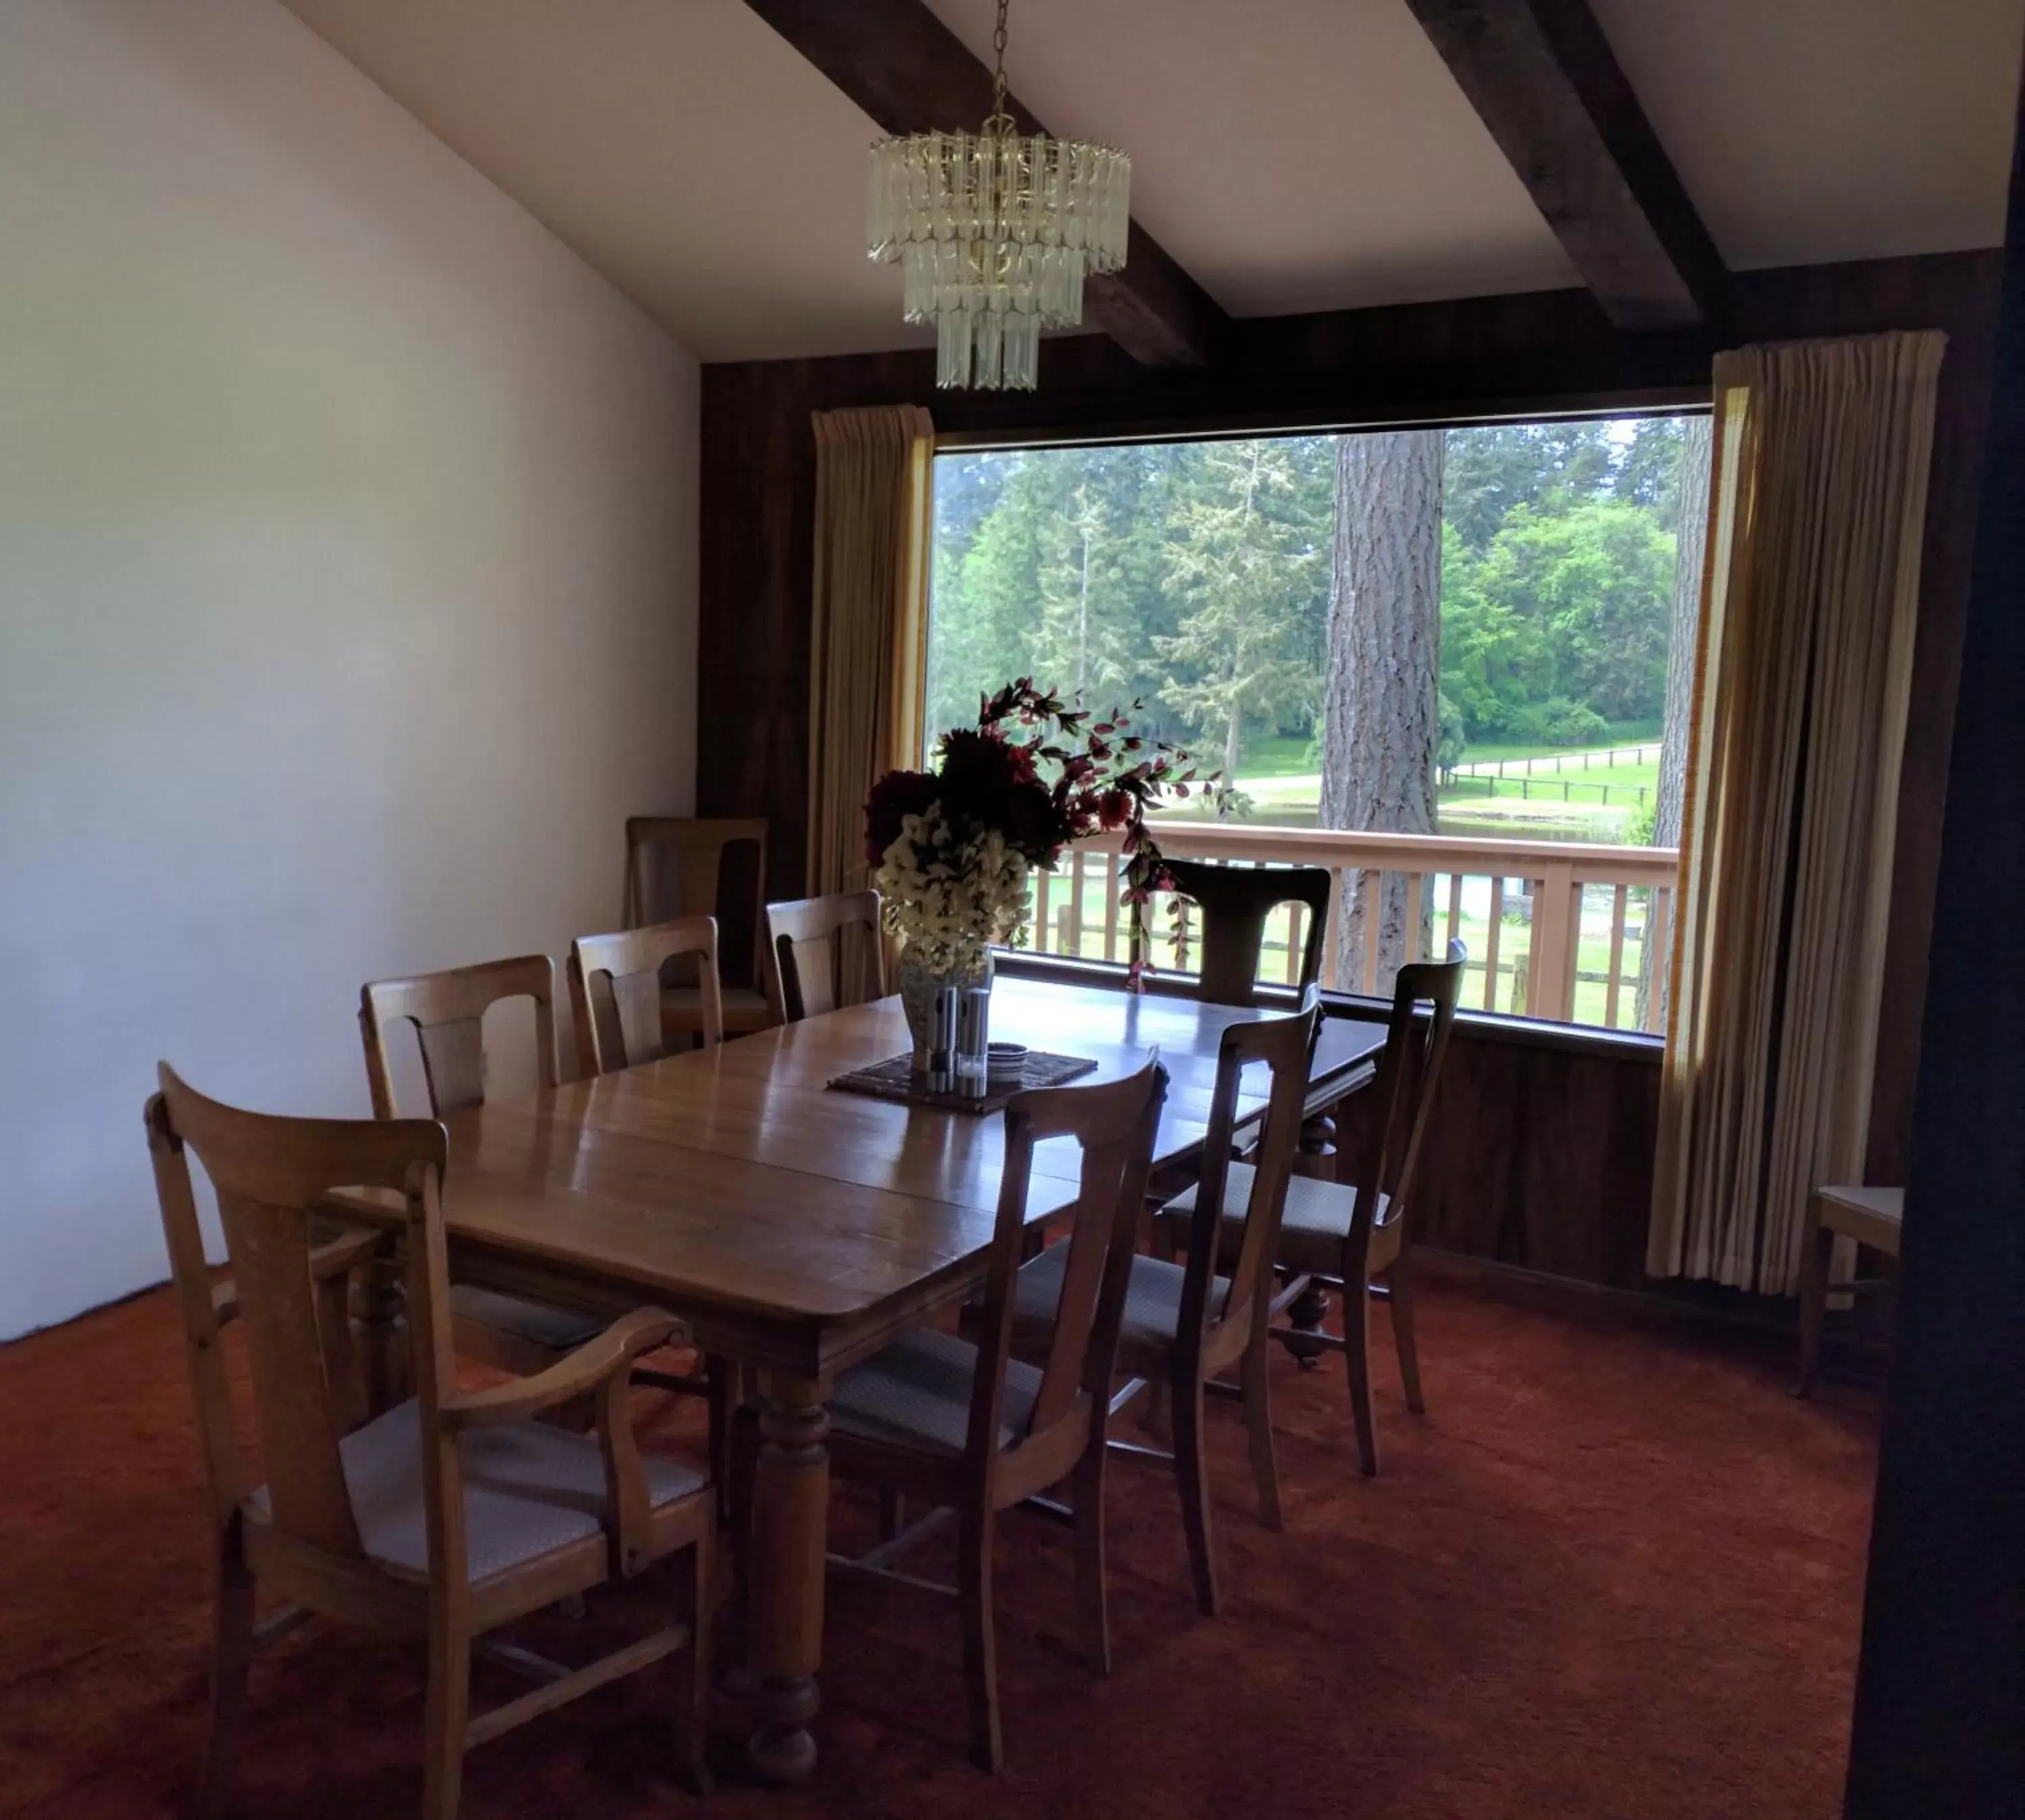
1690, 545
1381, 700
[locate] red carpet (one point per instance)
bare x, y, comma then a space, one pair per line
1610, 1574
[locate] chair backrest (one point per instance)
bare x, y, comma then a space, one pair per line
1404, 1091
1285, 1047
1235, 902
270, 1175
675, 868
823, 953
447, 1010
615, 991
1115, 1124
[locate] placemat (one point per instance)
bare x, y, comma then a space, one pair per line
897, 1079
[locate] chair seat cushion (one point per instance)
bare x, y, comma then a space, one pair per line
1879, 1203
1871, 1216
917, 1394
1152, 1299
561, 1329
1312, 1230
529, 1488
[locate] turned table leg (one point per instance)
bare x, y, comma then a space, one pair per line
379, 1306
790, 1521
1315, 1155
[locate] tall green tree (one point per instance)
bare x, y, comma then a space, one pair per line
1598, 582
1493, 470
1381, 701
1237, 558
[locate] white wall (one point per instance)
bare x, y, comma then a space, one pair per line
347, 600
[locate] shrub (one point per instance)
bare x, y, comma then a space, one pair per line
1575, 724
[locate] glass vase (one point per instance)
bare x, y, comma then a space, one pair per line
918, 985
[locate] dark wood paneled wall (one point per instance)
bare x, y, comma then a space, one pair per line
1538, 354
1539, 1154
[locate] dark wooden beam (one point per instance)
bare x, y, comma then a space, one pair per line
1542, 76
906, 69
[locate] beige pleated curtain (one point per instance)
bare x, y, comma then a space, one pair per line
867, 661
1803, 670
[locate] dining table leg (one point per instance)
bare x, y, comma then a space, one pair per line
790, 1527
379, 1306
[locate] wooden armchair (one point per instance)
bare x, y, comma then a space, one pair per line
616, 994
1342, 1235
676, 869
823, 953
445, 1516
1235, 902
447, 1011
1184, 1325
969, 1427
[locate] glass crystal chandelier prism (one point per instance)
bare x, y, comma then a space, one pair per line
994, 233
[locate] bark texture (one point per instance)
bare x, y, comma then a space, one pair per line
1690, 544
1380, 702
1687, 615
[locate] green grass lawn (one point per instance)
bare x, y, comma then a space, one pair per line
1280, 756
1578, 786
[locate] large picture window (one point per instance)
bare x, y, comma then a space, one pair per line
1475, 637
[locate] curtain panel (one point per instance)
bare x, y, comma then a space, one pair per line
874, 510
1803, 672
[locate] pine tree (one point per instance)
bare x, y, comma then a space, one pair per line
1380, 703
1237, 559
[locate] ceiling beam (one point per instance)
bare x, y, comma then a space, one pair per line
1541, 76
906, 69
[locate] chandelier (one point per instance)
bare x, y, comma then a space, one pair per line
994, 232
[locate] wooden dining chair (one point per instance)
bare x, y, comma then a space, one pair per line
444, 1518
615, 993
446, 1012
1235, 902
615, 986
823, 953
1873, 1217
681, 866
966, 1427
1342, 1235
1186, 1326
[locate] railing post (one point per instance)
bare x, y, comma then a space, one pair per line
1556, 930
1075, 902
1332, 934
1111, 890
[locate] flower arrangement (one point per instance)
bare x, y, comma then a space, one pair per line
950, 848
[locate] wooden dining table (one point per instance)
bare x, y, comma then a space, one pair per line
798, 1229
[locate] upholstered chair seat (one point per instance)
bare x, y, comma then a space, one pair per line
917, 1394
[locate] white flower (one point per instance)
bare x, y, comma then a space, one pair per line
949, 899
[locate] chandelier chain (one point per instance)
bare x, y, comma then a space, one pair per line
1000, 119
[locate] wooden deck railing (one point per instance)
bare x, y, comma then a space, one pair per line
1555, 930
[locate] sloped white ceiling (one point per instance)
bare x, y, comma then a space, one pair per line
1809, 131
1291, 154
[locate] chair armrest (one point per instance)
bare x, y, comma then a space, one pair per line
590, 1366
333, 1259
